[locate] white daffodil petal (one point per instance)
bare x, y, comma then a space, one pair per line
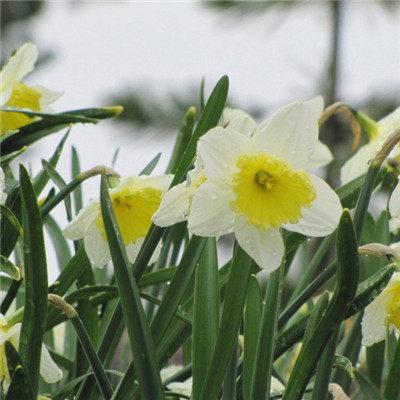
264, 247
245, 125
12, 333
76, 229
322, 217
394, 202
394, 225
96, 247
373, 326
218, 147
320, 157
3, 194
291, 134
47, 97
358, 164
210, 214
174, 206
316, 105
48, 368
389, 124
21, 63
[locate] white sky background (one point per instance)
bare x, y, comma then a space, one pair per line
103, 48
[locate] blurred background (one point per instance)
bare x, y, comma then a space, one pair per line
151, 57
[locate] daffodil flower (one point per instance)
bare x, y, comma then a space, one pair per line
175, 205
383, 314
256, 183
135, 200
16, 94
48, 369
394, 209
358, 164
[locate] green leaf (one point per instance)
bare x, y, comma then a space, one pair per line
63, 253
142, 345
208, 119
347, 278
235, 296
148, 169
42, 178
261, 382
59, 181
182, 140
11, 218
252, 320
205, 314
155, 277
10, 268
344, 364
76, 170
177, 287
5, 160
37, 130
20, 387
369, 390
34, 321
392, 387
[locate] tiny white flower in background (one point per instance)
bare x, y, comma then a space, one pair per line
359, 163
135, 200
16, 94
382, 314
256, 183
48, 369
3, 194
394, 208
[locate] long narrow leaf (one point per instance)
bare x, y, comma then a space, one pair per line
142, 346
34, 321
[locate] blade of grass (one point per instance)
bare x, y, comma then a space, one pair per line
205, 314
142, 345
34, 320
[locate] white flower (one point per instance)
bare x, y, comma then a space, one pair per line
3, 194
394, 209
255, 183
358, 164
176, 203
16, 94
135, 200
48, 369
383, 314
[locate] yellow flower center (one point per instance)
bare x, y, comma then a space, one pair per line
268, 192
22, 96
393, 307
133, 209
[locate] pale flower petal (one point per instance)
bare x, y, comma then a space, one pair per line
291, 134
322, 217
394, 202
359, 163
239, 121
48, 368
174, 206
210, 214
374, 322
320, 156
96, 247
316, 105
76, 229
264, 247
133, 249
218, 147
21, 63
3, 194
47, 97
